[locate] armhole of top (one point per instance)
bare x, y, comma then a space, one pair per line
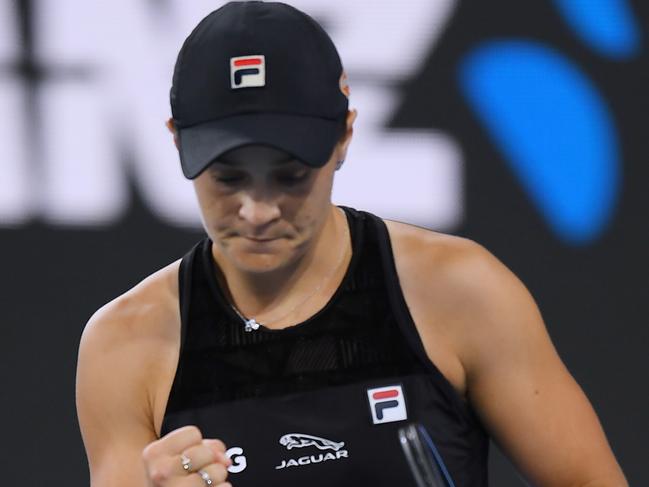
184, 301
184, 293
407, 325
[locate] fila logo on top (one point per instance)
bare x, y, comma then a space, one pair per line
387, 404
247, 71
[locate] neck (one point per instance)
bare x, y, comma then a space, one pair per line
258, 295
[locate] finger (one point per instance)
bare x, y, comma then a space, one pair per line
216, 473
197, 481
199, 456
193, 459
218, 447
172, 443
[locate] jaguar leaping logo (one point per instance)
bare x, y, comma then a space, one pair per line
299, 440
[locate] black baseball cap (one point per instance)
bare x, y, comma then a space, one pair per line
258, 73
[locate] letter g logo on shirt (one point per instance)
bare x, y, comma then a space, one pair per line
239, 462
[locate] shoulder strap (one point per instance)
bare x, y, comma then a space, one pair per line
184, 290
406, 323
185, 272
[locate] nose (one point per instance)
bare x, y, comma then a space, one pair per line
259, 210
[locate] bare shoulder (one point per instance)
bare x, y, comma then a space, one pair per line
457, 292
145, 311
454, 269
483, 330
457, 270
415, 247
127, 352
137, 331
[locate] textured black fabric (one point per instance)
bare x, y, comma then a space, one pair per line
254, 387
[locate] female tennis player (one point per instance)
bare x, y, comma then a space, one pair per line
289, 346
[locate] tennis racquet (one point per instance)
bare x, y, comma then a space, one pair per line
424, 460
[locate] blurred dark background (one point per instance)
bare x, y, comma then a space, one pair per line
521, 125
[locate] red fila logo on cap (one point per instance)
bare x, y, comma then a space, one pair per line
387, 404
247, 71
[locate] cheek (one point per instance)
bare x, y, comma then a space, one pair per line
217, 210
308, 214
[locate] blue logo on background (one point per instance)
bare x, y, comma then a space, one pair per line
607, 26
551, 122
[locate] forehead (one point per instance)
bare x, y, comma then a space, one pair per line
257, 156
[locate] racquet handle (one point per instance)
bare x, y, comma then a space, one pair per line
423, 458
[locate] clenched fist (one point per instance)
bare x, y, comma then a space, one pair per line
183, 458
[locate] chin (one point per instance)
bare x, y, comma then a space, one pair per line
259, 263
260, 258
257, 257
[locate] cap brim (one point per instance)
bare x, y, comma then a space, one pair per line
309, 139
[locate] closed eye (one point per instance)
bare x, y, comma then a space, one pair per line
293, 178
230, 179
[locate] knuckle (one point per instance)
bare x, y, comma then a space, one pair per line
158, 475
192, 429
149, 452
218, 472
215, 444
216, 448
160, 471
192, 433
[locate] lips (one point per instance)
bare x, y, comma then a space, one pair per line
256, 239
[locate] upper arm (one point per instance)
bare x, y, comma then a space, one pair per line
113, 398
483, 330
516, 381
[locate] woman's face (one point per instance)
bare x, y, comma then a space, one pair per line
262, 208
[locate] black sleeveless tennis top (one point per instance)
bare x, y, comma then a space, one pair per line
319, 403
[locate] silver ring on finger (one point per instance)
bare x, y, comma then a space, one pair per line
206, 477
186, 463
